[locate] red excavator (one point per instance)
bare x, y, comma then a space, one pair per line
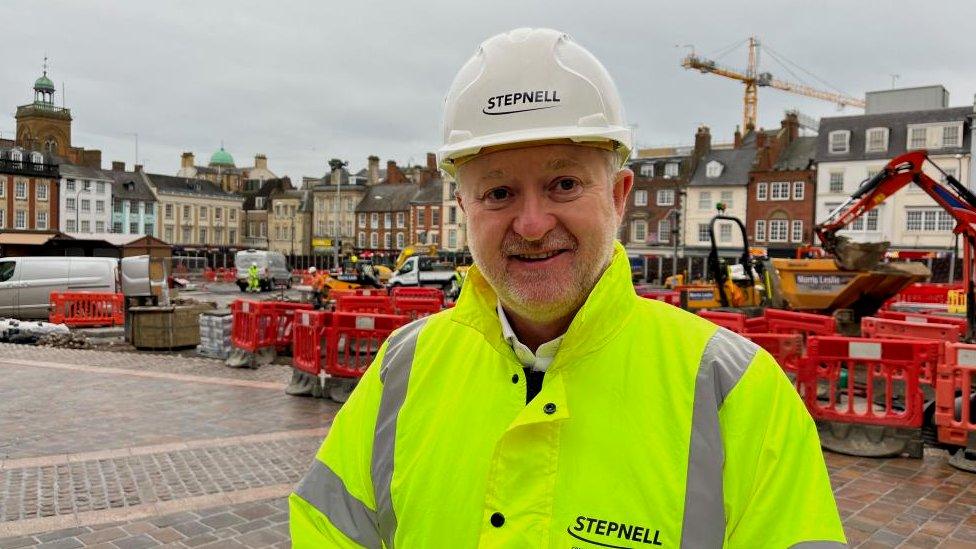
950, 194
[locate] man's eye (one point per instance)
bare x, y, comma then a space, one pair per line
566, 184
497, 194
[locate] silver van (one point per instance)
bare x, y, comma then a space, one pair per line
272, 268
26, 283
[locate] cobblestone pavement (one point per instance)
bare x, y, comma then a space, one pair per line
120, 450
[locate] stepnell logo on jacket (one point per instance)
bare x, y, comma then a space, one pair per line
523, 101
607, 533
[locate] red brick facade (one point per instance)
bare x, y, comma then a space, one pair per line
30, 204
778, 200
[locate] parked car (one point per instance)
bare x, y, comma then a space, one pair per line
26, 283
272, 268
424, 271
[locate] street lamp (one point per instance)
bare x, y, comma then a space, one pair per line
78, 205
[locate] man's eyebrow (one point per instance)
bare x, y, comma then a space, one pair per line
494, 174
562, 163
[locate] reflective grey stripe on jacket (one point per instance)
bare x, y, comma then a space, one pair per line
395, 374
325, 491
322, 487
725, 359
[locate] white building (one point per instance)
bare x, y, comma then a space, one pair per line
85, 200
721, 177
851, 149
455, 237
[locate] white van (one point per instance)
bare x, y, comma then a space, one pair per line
26, 283
272, 268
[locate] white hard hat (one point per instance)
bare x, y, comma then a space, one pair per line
311, 270
531, 85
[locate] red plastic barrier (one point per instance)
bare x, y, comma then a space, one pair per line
375, 304
418, 291
955, 383
926, 293
312, 335
229, 275
357, 338
889, 365
922, 318
780, 321
732, 321
87, 309
261, 324
416, 307
209, 275
671, 297
900, 329
787, 349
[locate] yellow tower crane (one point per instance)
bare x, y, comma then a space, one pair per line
753, 79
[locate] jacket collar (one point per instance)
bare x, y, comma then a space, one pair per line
605, 310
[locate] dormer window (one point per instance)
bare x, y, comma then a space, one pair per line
16, 157
713, 169
36, 158
647, 170
876, 140
671, 169
839, 141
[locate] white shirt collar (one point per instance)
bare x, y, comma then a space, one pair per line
541, 358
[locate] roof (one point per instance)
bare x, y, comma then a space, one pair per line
897, 124
387, 197
173, 185
736, 164
30, 239
799, 155
431, 192
130, 185
44, 83
268, 187
221, 158
114, 239
75, 171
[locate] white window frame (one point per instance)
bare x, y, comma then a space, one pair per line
796, 230
876, 132
374, 239
400, 221
647, 170
839, 146
70, 204
671, 169
40, 191
69, 185
374, 222
779, 190
664, 230
36, 158
713, 169
20, 190
665, 197
399, 241
703, 232
760, 230
640, 197
957, 127
799, 190
638, 226
830, 182
725, 232
40, 220
779, 230
762, 190
727, 198
704, 200
3, 219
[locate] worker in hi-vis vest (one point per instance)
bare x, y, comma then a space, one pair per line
553, 407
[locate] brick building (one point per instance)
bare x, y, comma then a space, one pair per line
29, 190
426, 206
383, 215
782, 198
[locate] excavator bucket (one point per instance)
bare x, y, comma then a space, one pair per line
857, 256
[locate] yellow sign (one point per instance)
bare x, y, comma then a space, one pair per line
321, 242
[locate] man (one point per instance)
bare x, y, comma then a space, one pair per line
552, 407
253, 283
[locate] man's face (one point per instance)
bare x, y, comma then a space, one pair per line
542, 222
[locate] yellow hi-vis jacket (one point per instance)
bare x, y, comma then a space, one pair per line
653, 428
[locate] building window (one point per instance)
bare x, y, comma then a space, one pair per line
435, 238
134, 227
69, 204
387, 221
725, 232
797, 231
671, 169
70, 225
647, 170
20, 190
950, 135
41, 190
117, 229
187, 235
640, 198
203, 213
117, 207
876, 140
760, 230
705, 200
85, 205
638, 231
868, 221
664, 230
949, 172
186, 216
452, 215
36, 158
99, 206
100, 187
168, 209
762, 190
17, 158
917, 138
420, 216
713, 169
452, 238
780, 190
85, 226
218, 235
928, 220
362, 222
86, 185
703, 232
361, 240
665, 197
374, 240
727, 199
836, 182
231, 234
70, 185
259, 202
374, 221
400, 220
218, 214
435, 217
41, 221
3, 219
840, 141
169, 234
777, 230
3, 189
232, 214
203, 235
387, 240
99, 226
798, 188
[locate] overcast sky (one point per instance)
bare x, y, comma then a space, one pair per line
304, 82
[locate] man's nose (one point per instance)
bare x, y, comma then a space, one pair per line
534, 219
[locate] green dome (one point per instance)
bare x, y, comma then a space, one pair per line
222, 158
44, 83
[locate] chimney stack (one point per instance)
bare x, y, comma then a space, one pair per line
737, 143
120, 166
186, 161
260, 162
432, 162
373, 170
335, 176
138, 167
393, 174
791, 123
703, 141
760, 138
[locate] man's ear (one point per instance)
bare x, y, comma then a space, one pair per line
623, 182
460, 202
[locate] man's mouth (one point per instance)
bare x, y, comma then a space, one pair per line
538, 256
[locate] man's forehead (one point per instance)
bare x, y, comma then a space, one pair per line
504, 163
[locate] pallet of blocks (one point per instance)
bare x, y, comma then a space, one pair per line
215, 331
